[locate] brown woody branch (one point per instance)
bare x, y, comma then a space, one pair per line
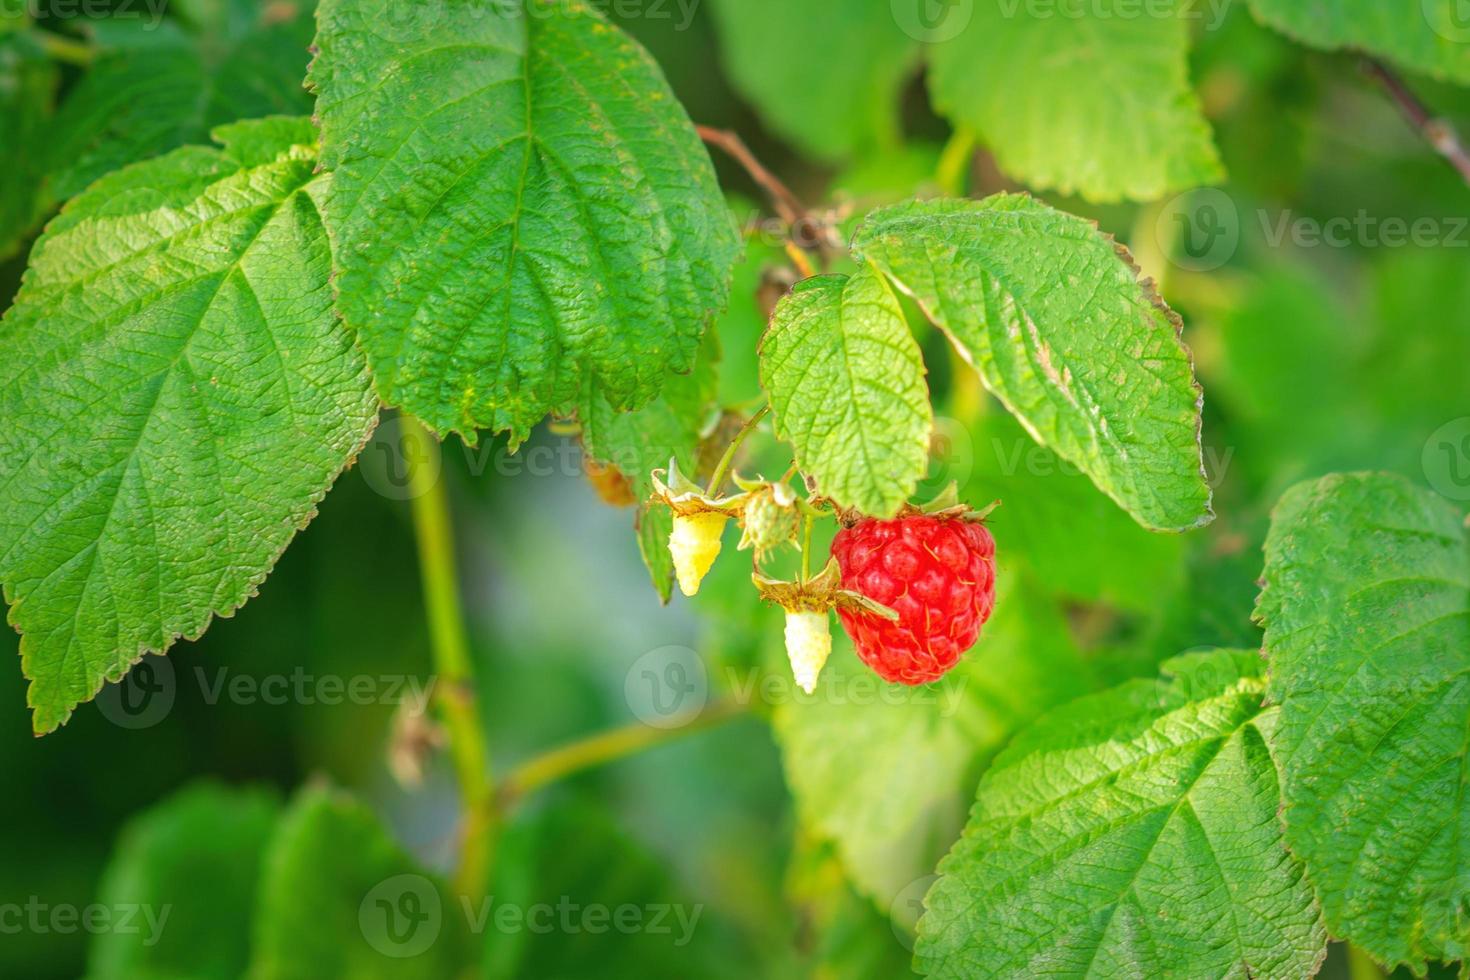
1437, 132
807, 231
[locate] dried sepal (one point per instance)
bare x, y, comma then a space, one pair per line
947, 505
685, 497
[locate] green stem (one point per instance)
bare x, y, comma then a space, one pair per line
806, 547
723, 466
953, 173
1361, 966
65, 49
595, 750
454, 689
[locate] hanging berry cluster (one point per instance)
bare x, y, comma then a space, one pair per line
912, 591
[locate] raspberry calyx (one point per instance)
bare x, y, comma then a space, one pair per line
769, 517
808, 630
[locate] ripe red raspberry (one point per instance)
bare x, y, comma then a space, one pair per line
936, 572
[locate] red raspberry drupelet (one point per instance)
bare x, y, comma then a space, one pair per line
936, 572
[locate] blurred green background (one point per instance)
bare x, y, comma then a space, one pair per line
1313, 357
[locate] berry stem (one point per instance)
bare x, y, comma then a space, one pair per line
723, 467
454, 690
596, 750
955, 162
806, 547
64, 49
1361, 966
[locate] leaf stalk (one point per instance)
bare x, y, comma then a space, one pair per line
454, 690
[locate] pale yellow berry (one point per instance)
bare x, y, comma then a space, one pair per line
694, 545
808, 644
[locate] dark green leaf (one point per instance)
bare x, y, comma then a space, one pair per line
1053, 316
1091, 99
27, 88
189, 866
830, 107
641, 441
1431, 36
176, 397
160, 86
1366, 608
340, 899
1132, 833
520, 207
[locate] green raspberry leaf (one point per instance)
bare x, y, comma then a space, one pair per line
846, 381
190, 865
176, 397
653, 525
27, 90
1052, 315
339, 898
156, 87
831, 108
1131, 833
1093, 101
1366, 608
639, 442
1429, 36
885, 771
1076, 541
520, 206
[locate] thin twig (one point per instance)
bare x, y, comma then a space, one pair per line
604, 747
64, 49
807, 231
1438, 132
